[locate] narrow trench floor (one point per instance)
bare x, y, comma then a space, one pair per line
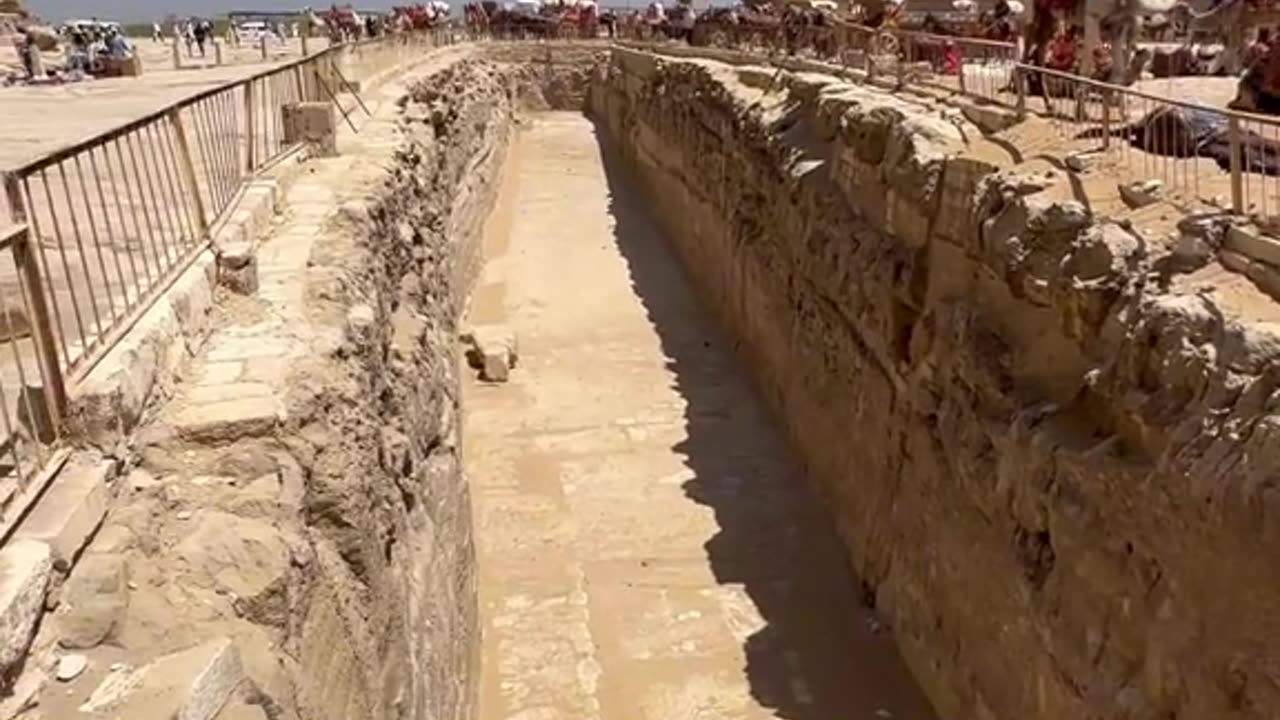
647, 550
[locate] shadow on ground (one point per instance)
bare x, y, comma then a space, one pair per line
820, 655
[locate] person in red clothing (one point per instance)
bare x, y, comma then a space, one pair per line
952, 61
1063, 49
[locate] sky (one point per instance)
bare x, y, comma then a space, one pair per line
147, 10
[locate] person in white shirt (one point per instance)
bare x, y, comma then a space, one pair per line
655, 14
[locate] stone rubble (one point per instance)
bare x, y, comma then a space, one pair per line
493, 350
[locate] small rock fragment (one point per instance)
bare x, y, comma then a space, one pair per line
493, 351
140, 480
359, 323
1141, 193
70, 667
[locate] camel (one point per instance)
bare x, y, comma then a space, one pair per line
1231, 19
1259, 88
1124, 19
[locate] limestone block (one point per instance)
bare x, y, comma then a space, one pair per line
25, 567
314, 123
1141, 193
493, 351
193, 684
238, 267
990, 118
1266, 277
229, 419
72, 509
1251, 243
1234, 261
94, 601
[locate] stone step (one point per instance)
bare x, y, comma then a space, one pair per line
229, 419
71, 510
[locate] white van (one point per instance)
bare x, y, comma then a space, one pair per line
252, 30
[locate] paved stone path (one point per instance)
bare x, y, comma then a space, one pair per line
236, 385
647, 549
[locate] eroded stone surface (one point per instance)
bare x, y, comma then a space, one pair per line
94, 602
25, 566
1046, 465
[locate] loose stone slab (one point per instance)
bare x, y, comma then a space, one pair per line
25, 566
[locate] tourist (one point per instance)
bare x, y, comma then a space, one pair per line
203, 30
157, 35
655, 13
117, 45
1259, 48
26, 46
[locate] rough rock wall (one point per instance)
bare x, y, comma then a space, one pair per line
1051, 458
549, 76
377, 419
324, 563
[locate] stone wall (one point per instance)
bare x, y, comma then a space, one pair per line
377, 430
1047, 447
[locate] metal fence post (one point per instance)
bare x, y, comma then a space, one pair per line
189, 170
1236, 148
1020, 87
1106, 119
250, 124
298, 81
41, 328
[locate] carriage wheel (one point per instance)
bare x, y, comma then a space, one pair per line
718, 39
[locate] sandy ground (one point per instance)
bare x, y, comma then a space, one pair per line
43, 118
647, 548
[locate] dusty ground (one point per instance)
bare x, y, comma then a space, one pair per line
44, 118
647, 549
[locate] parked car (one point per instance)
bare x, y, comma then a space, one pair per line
253, 30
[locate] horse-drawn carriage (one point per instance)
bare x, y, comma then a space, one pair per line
418, 16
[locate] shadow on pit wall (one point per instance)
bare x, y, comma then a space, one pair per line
819, 655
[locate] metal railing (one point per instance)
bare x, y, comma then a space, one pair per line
1201, 157
104, 226
1194, 156
975, 67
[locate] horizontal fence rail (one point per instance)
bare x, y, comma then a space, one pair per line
1197, 156
102, 227
1194, 156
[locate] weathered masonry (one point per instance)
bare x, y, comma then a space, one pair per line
1040, 422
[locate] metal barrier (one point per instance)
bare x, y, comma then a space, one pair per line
975, 67
1131, 135
1230, 162
104, 226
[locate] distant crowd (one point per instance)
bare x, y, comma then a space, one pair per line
197, 34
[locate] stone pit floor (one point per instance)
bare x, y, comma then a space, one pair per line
647, 549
